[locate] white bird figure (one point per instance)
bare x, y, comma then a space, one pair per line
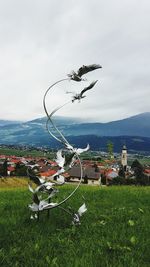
76, 217
49, 205
61, 179
31, 189
69, 147
77, 150
81, 150
36, 179
82, 209
77, 76
39, 205
34, 207
80, 95
63, 162
42, 205
45, 187
60, 160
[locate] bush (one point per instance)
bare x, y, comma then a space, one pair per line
118, 181
20, 170
130, 181
103, 178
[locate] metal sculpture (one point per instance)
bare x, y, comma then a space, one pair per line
77, 76
65, 158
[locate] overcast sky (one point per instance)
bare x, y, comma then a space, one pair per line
42, 41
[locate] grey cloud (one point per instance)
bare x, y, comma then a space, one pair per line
43, 41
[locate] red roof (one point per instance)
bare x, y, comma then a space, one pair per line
2, 156
10, 168
147, 171
15, 160
48, 173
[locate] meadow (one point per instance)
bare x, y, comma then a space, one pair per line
114, 231
25, 153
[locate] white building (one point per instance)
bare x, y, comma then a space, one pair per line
124, 157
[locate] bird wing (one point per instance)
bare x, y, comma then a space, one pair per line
81, 150
30, 188
85, 69
34, 207
88, 87
71, 73
61, 179
82, 209
60, 160
69, 160
37, 180
36, 199
69, 147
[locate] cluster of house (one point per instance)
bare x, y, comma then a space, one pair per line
92, 170
43, 165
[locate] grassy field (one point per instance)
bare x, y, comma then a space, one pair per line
114, 231
13, 182
25, 153
144, 161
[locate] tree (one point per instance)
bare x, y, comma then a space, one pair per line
4, 168
20, 170
138, 171
110, 148
85, 179
136, 164
121, 172
96, 169
103, 178
118, 181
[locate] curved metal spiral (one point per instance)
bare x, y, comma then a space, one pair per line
62, 140
64, 163
72, 193
50, 120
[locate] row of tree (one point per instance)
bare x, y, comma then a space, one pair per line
137, 178
20, 169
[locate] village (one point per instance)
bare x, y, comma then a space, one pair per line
109, 169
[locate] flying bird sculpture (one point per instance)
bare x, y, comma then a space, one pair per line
78, 214
81, 94
64, 163
45, 189
77, 76
81, 150
60, 160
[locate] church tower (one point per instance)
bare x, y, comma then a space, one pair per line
124, 157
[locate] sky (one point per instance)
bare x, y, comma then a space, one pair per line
42, 41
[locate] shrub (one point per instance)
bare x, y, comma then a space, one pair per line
118, 181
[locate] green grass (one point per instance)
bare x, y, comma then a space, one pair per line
13, 182
144, 160
114, 231
25, 153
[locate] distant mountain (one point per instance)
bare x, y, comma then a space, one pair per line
134, 131
59, 120
134, 144
7, 122
138, 125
